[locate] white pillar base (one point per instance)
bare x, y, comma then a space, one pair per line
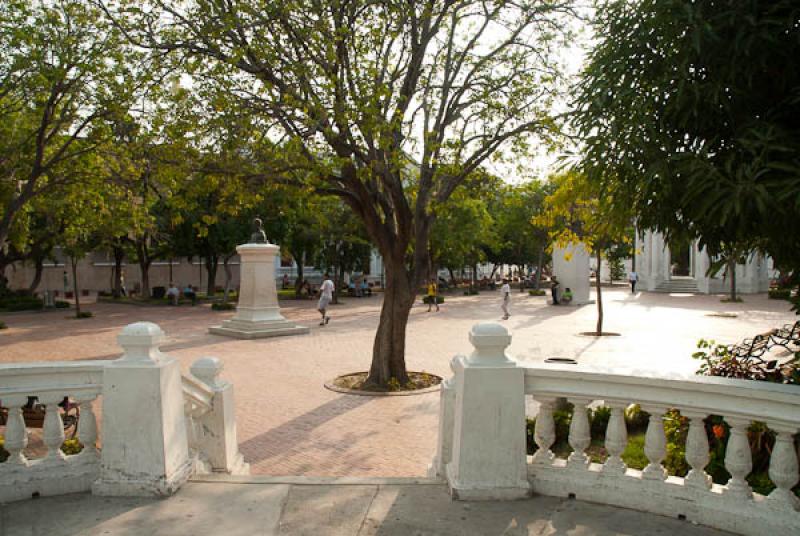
258, 314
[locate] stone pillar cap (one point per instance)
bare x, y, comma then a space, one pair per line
207, 369
490, 341
140, 341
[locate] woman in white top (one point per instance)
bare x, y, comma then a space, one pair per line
505, 290
325, 296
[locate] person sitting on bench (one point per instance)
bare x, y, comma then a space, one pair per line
173, 294
566, 298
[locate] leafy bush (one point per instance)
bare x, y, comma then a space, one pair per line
471, 291
21, 303
71, 446
3, 325
780, 294
60, 304
598, 419
222, 306
633, 455
84, 314
427, 299
718, 360
536, 292
636, 419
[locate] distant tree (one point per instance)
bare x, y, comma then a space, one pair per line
576, 213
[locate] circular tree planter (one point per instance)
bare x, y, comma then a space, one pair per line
353, 384
601, 334
723, 315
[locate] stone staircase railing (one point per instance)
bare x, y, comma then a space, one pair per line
482, 445
158, 427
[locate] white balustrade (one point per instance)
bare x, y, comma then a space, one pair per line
138, 439
731, 506
55, 473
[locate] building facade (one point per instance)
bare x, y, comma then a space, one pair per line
684, 267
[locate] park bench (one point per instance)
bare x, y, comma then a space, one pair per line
787, 337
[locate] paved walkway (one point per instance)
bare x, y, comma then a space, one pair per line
387, 509
288, 424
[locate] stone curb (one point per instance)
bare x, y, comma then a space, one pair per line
317, 480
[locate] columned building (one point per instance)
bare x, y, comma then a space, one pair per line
680, 267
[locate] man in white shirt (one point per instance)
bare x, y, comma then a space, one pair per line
633, 277
326, 291
505, 290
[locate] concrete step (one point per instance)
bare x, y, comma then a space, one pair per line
683, 286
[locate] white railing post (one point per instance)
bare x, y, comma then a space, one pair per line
16, 435
783, 470
53, 428
697, 453
217, 440
489, 456
444, 444
738, 460
616, 440
655, 444
145, 451
579, 435
544, 433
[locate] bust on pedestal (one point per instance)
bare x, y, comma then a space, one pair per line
258, 314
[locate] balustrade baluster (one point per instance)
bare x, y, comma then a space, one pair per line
579, 435
655, 445
87, 427
738, 460
53, 433
697, 452
783, 470
16, 436
616, 440
544, 433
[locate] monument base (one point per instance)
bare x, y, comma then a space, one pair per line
242, 329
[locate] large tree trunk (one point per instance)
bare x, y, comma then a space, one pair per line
228, 276
388, 352
732, 272
37, 275
452, 277
539, 263
144, 268
212, 262
75, 289
298, 283
599, 294
119, 254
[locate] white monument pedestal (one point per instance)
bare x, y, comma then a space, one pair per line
258, 314
571, 267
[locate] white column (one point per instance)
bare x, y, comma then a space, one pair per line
258, 314
145, 450
738, 460
616, 440
697, 452
489, 454
218, 441
571, 267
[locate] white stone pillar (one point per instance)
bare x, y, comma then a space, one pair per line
571, 267
258, 314
145, 451
219, 441
488, 459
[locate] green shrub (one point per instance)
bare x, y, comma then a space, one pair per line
60, 304
633, 455
427, 299
71, 446
3, 452
84, 314
780, 294
472, 291
598, 418
222, 306
676, 428
21, 303
636, 419
536, 292
3, 325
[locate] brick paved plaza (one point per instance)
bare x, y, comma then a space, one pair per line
288, 424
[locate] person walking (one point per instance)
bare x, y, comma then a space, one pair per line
432, 295
326, 291
554, 283
505, 290
633, 277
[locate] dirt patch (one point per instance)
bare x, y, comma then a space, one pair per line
418, 383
